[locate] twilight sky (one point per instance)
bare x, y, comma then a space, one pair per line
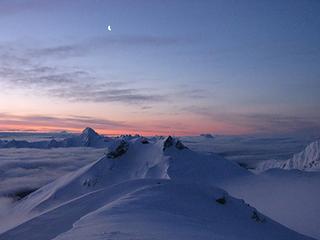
167, 67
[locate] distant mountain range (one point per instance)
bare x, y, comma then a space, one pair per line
88, 138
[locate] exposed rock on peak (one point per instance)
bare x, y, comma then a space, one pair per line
170, 141
144, 140
119, 150
180, 146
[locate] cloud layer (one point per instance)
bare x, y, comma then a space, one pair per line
45, 123
23, 70
23, 169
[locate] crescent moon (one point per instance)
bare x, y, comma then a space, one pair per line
109, 28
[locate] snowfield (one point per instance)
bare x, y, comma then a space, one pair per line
157, 188
291, 197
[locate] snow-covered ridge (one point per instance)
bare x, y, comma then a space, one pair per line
129, 158
144, 188
88, 138
308, 159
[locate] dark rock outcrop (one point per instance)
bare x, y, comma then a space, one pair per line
121, 149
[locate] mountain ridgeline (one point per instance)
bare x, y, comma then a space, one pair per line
143, 188
88, 138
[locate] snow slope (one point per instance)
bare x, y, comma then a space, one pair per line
140, 160
152, 209
144, 189
291, 197
308, 159
177, 211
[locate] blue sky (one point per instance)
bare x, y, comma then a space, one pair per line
169, 67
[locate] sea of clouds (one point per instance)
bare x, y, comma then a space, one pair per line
27, 169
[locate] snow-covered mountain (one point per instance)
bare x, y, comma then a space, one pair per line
129, 158
88, 138
308, 159
143, 188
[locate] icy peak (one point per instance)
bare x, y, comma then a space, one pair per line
308, 159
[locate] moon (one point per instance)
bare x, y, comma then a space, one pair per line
109, 28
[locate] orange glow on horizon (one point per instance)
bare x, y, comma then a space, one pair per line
146, 131
175, 126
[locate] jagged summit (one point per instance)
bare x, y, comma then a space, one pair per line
118, 150
170, 141
308, 159
89, 132
90, 137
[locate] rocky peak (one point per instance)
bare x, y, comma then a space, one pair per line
89, 136
119, 150
170, 141
89, 132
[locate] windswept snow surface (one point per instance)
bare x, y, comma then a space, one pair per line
140, 161
291, 197
287, 190
144, 189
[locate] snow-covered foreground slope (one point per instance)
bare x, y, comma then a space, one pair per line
308, 159
167, 210
152, 209
291, 197
144, 189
